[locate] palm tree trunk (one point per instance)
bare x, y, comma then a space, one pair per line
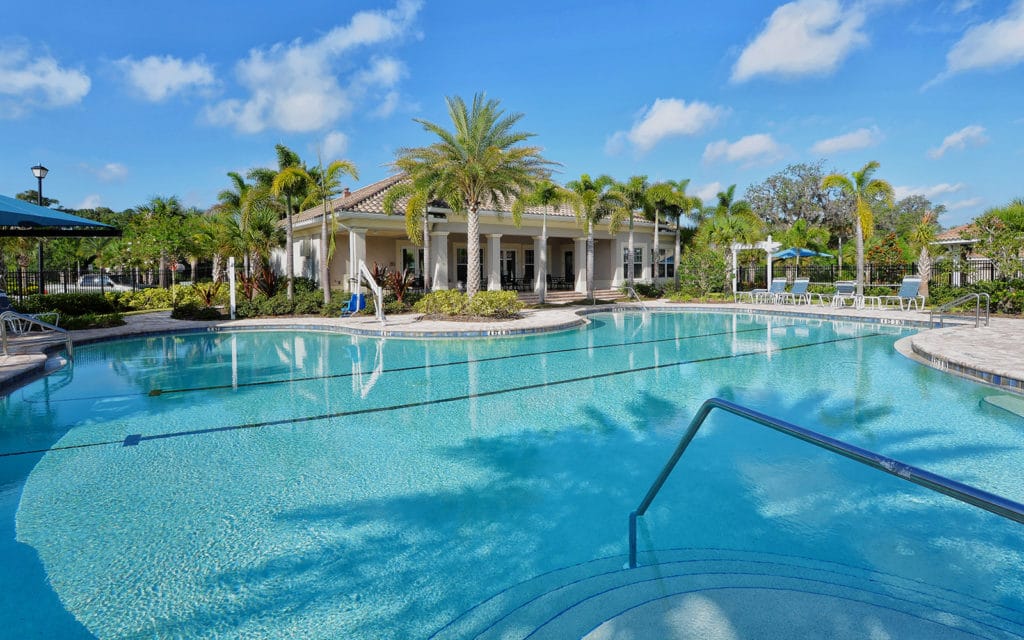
924, 269
163, 270
675, 267
629, 258
590, 260
425, 267
289, 250
860, 257
325, 269
657, 253
218, 268
473, 253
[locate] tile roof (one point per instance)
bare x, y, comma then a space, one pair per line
370, 199
954, 233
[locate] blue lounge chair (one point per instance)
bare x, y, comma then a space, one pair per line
355, 304
778, 286
846, 291
796, 294
907, 296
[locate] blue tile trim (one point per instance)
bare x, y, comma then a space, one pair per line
977, 375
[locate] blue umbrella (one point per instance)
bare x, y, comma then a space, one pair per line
785, 254
20, 218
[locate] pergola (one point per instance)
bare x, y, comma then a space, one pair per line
767, 246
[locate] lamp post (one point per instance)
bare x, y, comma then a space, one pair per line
39, 171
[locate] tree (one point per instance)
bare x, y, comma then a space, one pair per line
327, 185
733, 222
158, 232
906, 215
592, 200
633, 196
33, 196
864, 190
551, 197
481, 160
670, 198
921, 237
803, 235
1000, 234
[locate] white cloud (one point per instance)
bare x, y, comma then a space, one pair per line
805, 37
931, 192
859, 139
28, 81
749, 150
708, 192
90, 201
158, 78
334, 146
295, 86
109, 172
969, 136
965, 204
963, 5
995, 43
665, 118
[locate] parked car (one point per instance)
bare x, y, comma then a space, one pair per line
96, 282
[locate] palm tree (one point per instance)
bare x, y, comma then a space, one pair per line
417, 198
480, 161
550, 196
921, 236
592, 200
670, 199
864, 190
162, 219
803, 235
290, 188
729, 225
327, 185
237, 203
633, 194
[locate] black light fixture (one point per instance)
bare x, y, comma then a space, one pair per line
39, 171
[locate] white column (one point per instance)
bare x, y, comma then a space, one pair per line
580, 263
734, 266
768, 273
494, 262
540, 265
439, 260
356, 252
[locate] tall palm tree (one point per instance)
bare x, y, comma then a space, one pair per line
804, 235
481, 160
633, 194
865, 190
551, 197
291, 190
236, 202
592, 200
327, 185
670, 198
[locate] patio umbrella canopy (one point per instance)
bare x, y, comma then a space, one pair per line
24, 219
785, 254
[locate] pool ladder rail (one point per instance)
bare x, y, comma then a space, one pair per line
944, 311
9, 317
970, 495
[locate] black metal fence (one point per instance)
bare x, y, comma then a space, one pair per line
965, 274
18, 283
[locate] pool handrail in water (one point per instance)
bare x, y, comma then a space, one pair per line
998, 505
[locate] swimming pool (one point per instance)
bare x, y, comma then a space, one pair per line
302, 484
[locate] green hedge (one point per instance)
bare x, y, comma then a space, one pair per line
1007, 296
486, 304
91, 321
67, 304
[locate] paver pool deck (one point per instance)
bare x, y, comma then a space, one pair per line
993, 355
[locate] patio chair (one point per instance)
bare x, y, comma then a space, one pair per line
907, 296
796, 294
846, 291
355, 304
777, 286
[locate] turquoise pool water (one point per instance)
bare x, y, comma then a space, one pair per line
308, 485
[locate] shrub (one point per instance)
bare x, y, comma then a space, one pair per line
445, 302
157, 298
494, 304
701, 271
67, 304
305, 285
193, 311
91, 321
646, 290
308, 302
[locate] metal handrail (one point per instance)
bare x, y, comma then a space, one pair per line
941, 312
630, 291
965, 493
21, 317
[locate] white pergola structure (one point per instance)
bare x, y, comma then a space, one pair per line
767, 246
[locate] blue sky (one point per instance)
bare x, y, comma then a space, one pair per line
126, 100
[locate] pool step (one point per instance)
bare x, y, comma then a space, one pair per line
709, 593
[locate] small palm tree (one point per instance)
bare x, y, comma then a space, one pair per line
593, 200
327, 185
864, 190
724, 229
634, 197
551, 197
671, 200
481, 160
417, 197
921, 236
